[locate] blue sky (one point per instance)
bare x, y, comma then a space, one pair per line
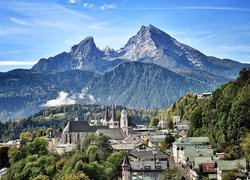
34, 29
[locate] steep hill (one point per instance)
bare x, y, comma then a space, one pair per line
225, 117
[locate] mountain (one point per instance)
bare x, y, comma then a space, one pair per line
84, 56
149, 45
24, 92
152, 45
136, 84
151, 70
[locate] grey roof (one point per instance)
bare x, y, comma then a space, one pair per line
150, 165
148, 154
132, 138
114, 133
77, 126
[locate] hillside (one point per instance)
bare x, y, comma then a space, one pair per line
224, 118
57, 118
140, 85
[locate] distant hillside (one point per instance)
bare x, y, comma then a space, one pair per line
142, 85
57, 117
23, 92
225, 117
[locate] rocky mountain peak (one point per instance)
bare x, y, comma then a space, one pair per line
109, 52
85, 45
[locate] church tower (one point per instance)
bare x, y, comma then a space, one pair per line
113, 123
124, 121
106, 117
126, 167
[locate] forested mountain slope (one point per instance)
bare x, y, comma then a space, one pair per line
224, 118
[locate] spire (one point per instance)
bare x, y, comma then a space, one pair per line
106, 117
113, 113
126, 161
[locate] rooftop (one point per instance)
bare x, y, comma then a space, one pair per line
192, 140
77, 126
209, 167
114, 133
231, 164
202, 160
148, 155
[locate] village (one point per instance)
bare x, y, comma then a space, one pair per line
146, 155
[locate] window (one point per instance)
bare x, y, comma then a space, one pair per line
70, 139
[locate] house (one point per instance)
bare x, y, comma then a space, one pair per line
144, 169
156, 140
227, 166
123, 147
3, 171
65, 148
176, 119
204, 95
195, 155
163, 124
132, 138
12, 143
209, 169
148, 155
186, 142
184, 125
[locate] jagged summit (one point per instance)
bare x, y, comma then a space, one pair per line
148, 45
88, 43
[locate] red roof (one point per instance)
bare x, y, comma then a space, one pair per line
208, 167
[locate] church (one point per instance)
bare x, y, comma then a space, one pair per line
75, 130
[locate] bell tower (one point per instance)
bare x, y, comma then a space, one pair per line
126, 167
124, 121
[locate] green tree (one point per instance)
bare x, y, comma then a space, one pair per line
114, 162
245, 145
76, 176
169, 139
94, 170
38, 146
154, 121
26, 137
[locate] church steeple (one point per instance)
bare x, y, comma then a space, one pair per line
113, 118
126, 166
124, 122
106, 116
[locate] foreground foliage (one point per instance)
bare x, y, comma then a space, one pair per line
92, 160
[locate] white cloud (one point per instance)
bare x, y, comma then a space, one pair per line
107, 6
89, 5
91, 99
83, 93
62, 99
17, 63
18, 21
72, 1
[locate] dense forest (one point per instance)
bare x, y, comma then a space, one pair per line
57, 118
224, 117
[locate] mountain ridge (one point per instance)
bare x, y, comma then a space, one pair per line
160, 67
149, 45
